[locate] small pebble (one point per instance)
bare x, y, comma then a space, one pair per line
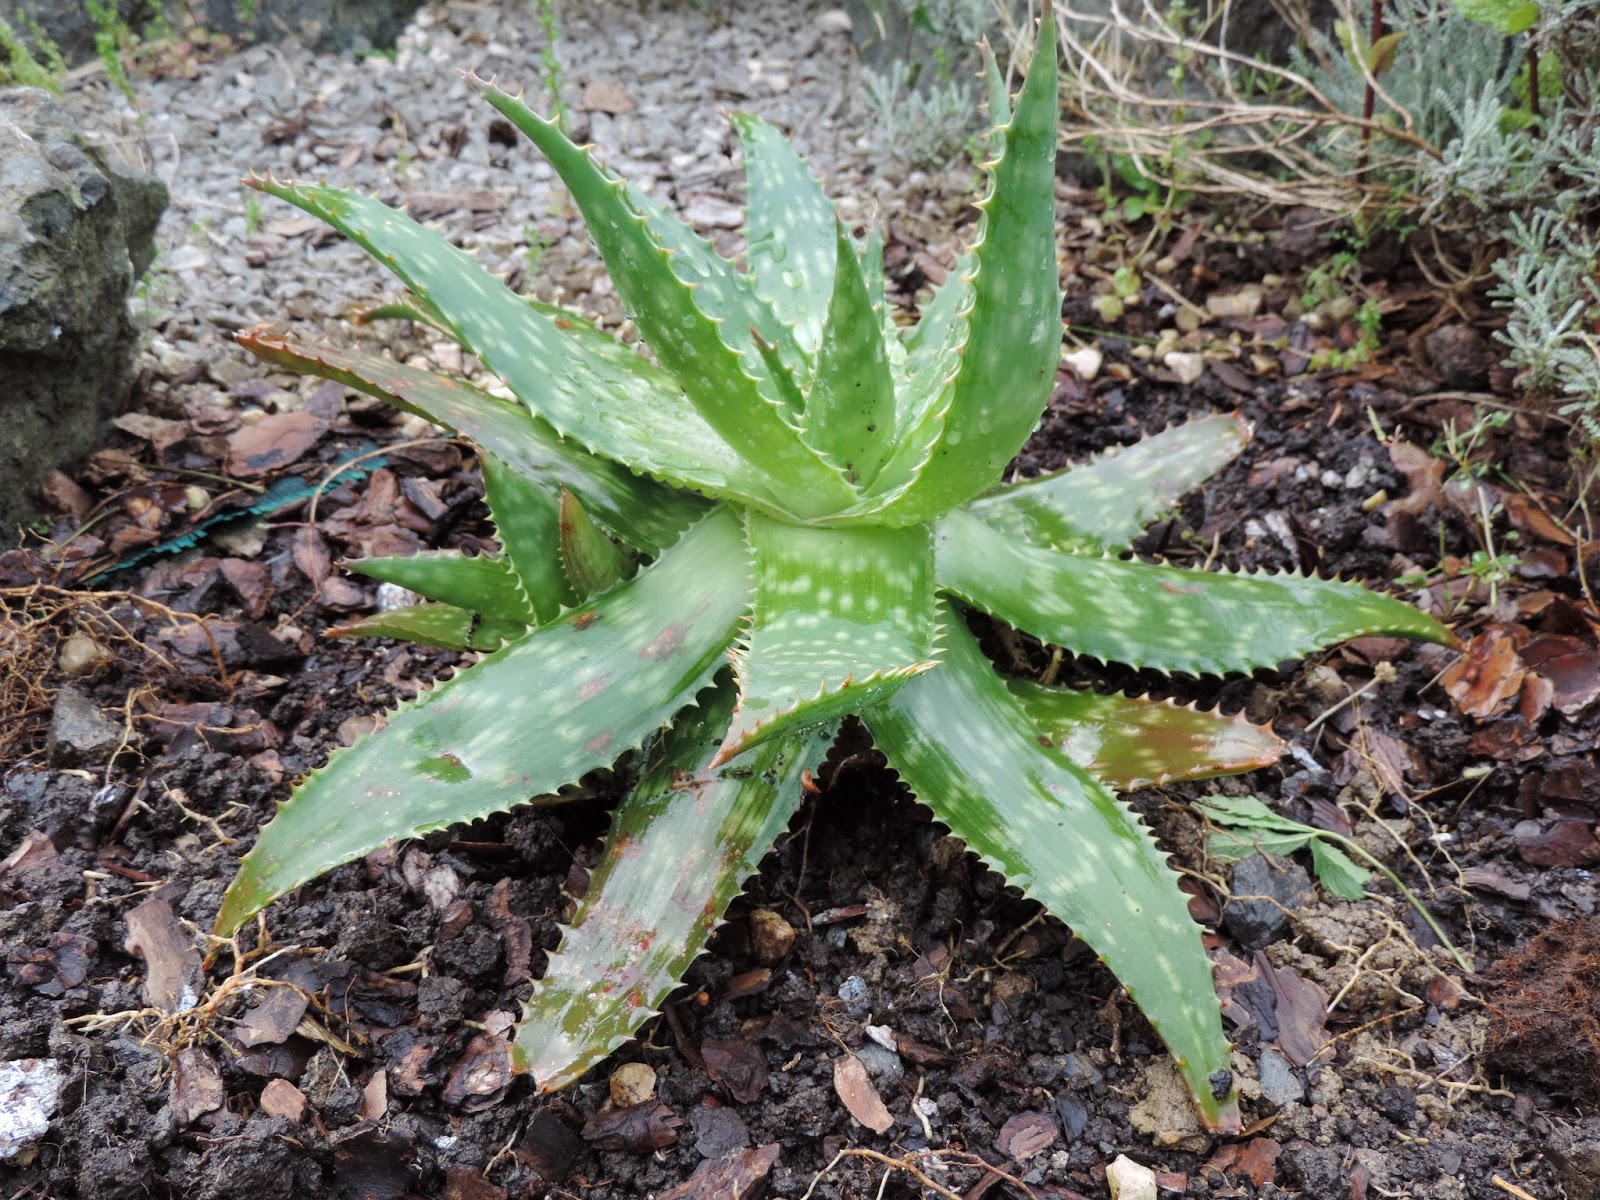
771, 937
632, 1083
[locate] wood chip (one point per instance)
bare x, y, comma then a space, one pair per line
280, 1098
196, 1085
375, 1096
1256, 1160
172, 964
274, 1019
854, 1086
1026, 1135
743, 1175
610, 98
34, 849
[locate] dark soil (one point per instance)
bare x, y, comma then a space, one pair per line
1478, 789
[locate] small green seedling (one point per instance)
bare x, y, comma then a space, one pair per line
1247, 825
713, 555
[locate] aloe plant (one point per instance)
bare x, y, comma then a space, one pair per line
713, 555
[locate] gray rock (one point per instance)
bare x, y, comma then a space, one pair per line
1276, 885
68, 26
718, 1131
1460, 356
324, 26
853, 991
1074, 1115
76, 232
80, 734
1279, 1084
883, 1065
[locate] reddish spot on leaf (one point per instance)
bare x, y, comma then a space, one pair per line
598, 742
665, 644
593, 688
583, 620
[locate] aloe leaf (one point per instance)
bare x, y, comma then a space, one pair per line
1197, 622
790, 232
481, 584
527, 519
850, 410
966, 747
613, 401
923, 369
566, 699
994, 87
442, 625
411, 310
840, 616
1013, 320
681, 846
1102, 505
699, 316
871, 259
640, 512
1128, 743
592, 561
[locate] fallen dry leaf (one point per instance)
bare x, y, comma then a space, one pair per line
481, 1075
739, 1067
1530, 518
1424, 473
638, 1129
34, 849
854, 1086
463, 1183
272, 443
1485, 680
1571, 666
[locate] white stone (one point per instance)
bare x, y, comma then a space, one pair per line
1084, 363
1129, 1180
1185, 364
29, 1091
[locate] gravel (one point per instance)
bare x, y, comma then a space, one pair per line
647, 84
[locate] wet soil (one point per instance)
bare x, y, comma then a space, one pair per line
1371, 1064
